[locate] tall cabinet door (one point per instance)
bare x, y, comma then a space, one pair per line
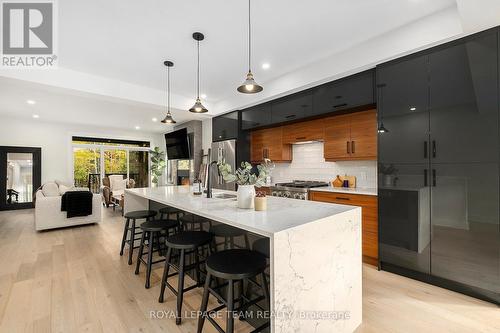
464, 146
404, 169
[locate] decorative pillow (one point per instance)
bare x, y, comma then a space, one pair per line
60, 182
63, 188
50, 190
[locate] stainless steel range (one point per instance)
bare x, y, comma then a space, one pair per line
298, 189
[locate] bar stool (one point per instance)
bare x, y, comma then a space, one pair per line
228, 233
185, 242
233, 266
165, 212
262, 245
194, 222
131, 226
151, 232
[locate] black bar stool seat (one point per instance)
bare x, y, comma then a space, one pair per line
262, 245
130, 226
169, 210
151, 233
140, 214
236, 265
187, 240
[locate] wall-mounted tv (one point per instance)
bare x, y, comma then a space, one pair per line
177, 144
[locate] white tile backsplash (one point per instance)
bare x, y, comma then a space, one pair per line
308, 164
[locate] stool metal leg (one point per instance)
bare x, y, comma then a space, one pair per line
141, 251
230, 307
132, 241
204, 304
165, 274
180, 288
150, 258
124, 238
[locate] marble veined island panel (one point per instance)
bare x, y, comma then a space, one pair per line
315, 262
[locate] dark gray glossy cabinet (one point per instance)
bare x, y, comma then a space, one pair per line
225, 127
353, 91
292, 107
256, 116
439, 212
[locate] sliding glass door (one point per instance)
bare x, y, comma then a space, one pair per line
87, 168
138, 166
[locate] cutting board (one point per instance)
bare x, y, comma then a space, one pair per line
351, 179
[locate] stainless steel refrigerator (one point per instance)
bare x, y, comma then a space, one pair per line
223, 150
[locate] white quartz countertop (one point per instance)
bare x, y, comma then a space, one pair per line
281, 214
356, 190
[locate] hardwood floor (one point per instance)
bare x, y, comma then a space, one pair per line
73, 279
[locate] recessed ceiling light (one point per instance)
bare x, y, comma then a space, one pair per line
155, 119
36, 116
137, 127
204, 96
266, 65
413, 108
31, 102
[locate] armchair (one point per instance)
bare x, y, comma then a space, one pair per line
114, 185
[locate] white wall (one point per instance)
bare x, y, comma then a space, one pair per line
55, 141
308, 164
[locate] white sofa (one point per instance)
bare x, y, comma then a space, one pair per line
48, 214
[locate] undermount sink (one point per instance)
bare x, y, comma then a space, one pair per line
225, 196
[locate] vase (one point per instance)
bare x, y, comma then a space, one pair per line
260, 203
388, 182
246, 194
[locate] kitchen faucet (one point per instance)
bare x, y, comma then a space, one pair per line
209, 173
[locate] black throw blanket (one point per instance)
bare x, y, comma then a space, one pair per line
77, 203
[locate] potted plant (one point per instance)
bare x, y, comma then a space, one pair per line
388, 171
260, 201
246, 180
157, 165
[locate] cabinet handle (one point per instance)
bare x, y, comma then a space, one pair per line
434, 148
434, 177
425, 177
348, 148
425, 149
290, 116
342, 198
353, 146
339, 105
300, 138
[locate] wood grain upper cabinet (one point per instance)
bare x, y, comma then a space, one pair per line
312, 130
268, 143
337, 138
351, 137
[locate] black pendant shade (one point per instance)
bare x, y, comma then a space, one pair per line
382, 129
168, 118
249, 86
198, 107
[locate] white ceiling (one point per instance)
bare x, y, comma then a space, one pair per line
111, 52
129, 40
68, 106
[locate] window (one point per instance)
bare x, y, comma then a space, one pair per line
95, 158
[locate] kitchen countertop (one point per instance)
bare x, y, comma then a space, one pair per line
356, 190
281, 214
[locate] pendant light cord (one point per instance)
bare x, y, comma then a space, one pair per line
168, 90
249, 39
198, 75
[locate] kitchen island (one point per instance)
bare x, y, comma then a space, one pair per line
315, 254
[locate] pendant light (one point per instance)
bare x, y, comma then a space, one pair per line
249, 86
198, 107
168, 118
381, 128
